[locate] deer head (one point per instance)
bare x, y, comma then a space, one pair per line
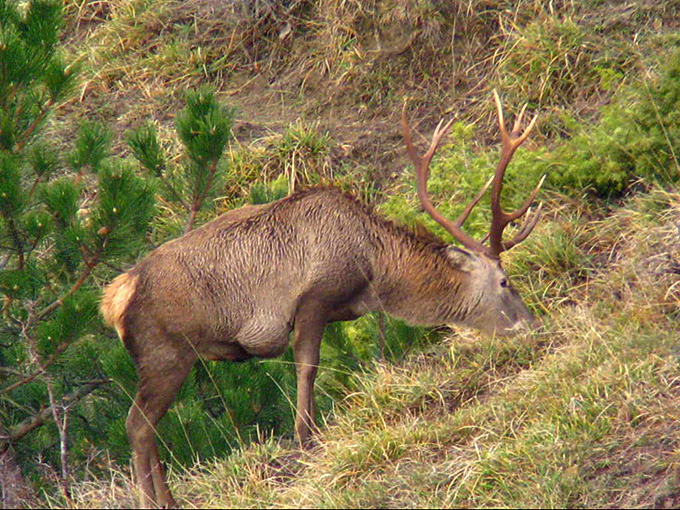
500, 310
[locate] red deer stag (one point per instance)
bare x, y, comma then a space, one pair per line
237, 286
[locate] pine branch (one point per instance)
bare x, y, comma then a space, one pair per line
33, 422
16, 239
89, 266
33, 187
53, 357
208, 184
173, 191
25, 136
10, 371
33, 247
200, 196
190, 221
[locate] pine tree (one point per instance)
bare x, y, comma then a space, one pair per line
61, 221
204, 127
221, 404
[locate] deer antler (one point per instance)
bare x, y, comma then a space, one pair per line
422, 166
500, 219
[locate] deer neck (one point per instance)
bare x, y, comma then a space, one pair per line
419, 284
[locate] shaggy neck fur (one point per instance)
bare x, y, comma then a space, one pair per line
419, 282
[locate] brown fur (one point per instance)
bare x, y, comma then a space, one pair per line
236, 287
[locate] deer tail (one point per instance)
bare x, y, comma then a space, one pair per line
116, 298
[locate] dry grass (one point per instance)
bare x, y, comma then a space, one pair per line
354, 62
584, 413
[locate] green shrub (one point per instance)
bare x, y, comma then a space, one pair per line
204, 128
550, 60
61, 220
637, 138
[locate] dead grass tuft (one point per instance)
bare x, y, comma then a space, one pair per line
584, 413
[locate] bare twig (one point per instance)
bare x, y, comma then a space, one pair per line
200, 196
41, 370
60, 417
30, 424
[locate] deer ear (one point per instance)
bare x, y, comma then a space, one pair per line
464, 259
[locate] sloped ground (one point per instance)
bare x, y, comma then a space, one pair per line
349, 66
584, 413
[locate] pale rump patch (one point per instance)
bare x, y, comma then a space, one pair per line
117, 295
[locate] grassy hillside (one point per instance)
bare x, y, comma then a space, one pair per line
585, 412
346, 67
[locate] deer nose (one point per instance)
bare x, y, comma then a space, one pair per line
525, 325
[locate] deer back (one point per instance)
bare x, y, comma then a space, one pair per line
243, 275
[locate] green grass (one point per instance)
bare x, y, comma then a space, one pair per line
583, 413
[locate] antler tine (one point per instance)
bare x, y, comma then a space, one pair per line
530, 222
417, 160
466, 212
513, 139
520, 139
518, 120
422, 166
437, 137
527, 203
499, 110
424, 161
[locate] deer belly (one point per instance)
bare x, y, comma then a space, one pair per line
265, 336
220, 351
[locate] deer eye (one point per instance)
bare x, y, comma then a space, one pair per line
504, 283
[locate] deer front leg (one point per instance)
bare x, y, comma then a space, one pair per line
309, 328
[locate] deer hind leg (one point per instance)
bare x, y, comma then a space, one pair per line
309, 328
160, 378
